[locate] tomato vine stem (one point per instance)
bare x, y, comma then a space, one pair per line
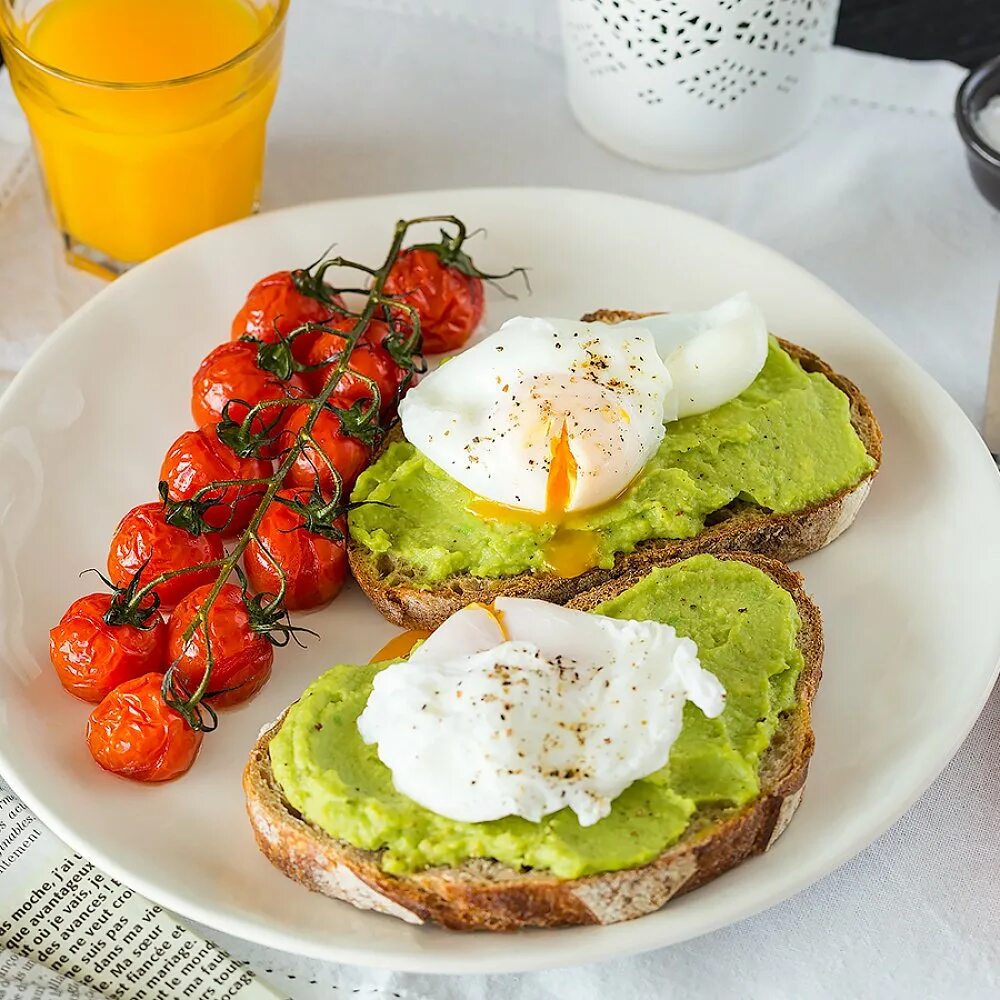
191, 705
261, 432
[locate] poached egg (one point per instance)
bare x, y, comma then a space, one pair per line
545, 414
525, 708
552, 417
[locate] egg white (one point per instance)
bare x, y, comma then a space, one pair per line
563, 709
490, 415
712, 356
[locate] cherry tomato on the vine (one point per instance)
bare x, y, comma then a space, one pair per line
315, 565
448, 302
280, 303
374, 333
348, 455
198, 458
367, 359
241, 655
91, 657
231, 372
134, 733
144, 537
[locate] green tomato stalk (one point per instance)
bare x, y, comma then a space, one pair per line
260, 428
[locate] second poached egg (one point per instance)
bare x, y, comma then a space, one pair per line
527, 707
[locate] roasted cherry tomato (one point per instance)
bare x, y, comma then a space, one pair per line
144, 535
367, 359
241, 656
449, 303
280, 303
315, 565
348, 455
134, 733
91, 657
198, 458
231, 372
374, 333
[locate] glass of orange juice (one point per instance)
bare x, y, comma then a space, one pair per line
148, 116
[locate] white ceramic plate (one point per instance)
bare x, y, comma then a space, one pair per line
908, 594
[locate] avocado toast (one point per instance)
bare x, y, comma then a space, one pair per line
739, 777
417, 579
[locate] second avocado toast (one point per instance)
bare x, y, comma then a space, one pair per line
729, 789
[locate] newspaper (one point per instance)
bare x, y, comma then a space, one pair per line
69, 931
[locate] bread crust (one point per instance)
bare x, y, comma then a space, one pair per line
781, 536
486, 895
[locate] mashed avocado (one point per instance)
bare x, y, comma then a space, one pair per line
784, 443
745, 627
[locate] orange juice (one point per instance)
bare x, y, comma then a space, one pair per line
148, 115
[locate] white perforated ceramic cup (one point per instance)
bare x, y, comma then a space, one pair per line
696, 84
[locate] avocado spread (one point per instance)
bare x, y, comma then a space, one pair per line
745, 627
782, 444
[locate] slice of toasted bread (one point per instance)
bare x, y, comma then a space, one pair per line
486, 895
739, 527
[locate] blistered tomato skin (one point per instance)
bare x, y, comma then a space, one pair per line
348, 455
197, 459
315, 566
449, 303
92, 657
277, 305
144, 537
135, 734
367, 359
230, 372
241, 657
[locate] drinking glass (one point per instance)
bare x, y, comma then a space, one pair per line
133, 168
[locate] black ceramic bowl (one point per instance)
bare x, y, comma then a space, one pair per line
984, 161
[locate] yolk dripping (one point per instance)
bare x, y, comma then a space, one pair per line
570, 551
562, 475
400, 645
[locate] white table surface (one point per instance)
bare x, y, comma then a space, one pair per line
390, 95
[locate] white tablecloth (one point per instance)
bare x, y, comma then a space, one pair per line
388, 95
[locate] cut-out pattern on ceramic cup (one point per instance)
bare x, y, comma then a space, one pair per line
633, 63
724, 82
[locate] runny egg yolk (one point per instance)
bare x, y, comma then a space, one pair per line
562, 475
400, 645
570, 551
